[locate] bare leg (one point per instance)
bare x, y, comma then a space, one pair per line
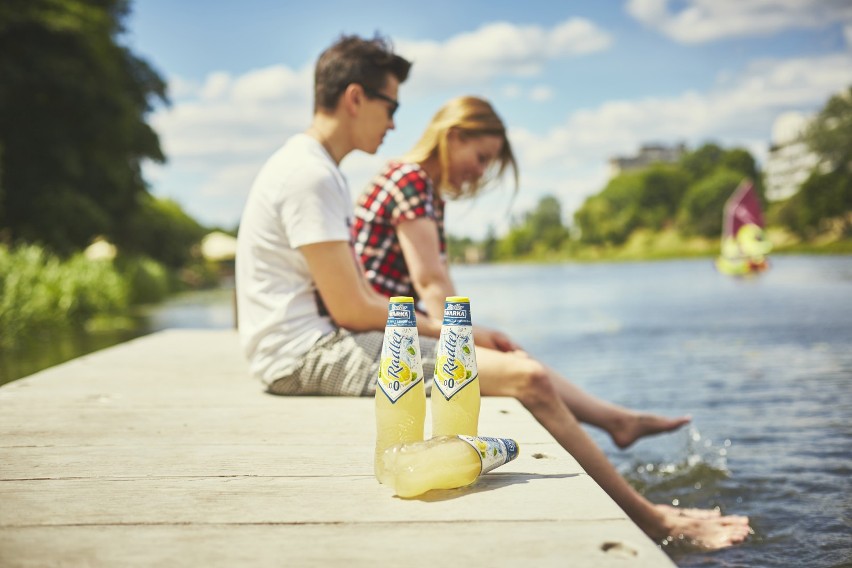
623, 425
505, 374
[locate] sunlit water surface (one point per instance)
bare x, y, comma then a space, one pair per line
764, 366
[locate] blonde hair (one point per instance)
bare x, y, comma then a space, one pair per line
471, 117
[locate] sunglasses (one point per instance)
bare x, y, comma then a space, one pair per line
393, 103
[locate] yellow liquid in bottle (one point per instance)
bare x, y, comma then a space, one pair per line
459, 415
439, 463
397, 423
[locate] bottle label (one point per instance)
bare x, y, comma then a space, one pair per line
455, 365
400, 368
493, 452
401, 313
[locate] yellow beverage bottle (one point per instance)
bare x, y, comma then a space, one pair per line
400, 391
455, 392
444, 462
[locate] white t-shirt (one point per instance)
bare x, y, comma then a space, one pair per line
298, 198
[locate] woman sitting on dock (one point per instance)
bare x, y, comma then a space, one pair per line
399, 237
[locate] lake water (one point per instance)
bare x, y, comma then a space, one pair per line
764, 366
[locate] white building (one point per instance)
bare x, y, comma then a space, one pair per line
790, 161
648, 154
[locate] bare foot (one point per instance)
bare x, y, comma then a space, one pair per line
693, 513
634, 426
707, 533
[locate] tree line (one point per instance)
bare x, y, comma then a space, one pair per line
74, 104
688, 197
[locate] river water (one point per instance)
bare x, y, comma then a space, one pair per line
764, 367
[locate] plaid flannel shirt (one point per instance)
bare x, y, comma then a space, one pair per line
402, 192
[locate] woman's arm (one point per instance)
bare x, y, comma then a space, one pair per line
430, 276
421, 248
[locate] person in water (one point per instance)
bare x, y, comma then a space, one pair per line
399, 237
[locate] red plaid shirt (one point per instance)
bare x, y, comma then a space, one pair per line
402, 192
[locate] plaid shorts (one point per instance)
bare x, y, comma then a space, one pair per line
343, 363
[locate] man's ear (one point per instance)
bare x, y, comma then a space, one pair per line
352, 98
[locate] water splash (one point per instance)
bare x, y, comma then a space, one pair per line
695, 466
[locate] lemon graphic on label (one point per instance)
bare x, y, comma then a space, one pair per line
482, 446
447, 373
400, 376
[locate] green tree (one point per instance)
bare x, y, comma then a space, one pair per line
541, 229
73, 103
490, 244
827, 194
661, 187
701, 162
611, 215
545, 223
830, 134
703, 205
160, 229
822, 197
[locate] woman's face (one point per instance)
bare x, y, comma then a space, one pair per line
470, 156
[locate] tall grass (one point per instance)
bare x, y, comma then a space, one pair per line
40, 292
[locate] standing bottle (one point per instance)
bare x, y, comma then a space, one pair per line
455, 392
400, 390
445, 462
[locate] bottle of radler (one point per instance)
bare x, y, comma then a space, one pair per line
400, 391
455, 392
444, 462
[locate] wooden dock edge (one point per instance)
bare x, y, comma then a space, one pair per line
164, 452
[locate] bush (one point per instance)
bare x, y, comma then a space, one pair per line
38, 291
147, 280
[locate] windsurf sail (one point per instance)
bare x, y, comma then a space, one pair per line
744, 243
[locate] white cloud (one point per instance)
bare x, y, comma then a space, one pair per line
498, 49
512, 91
698, 21
219, 131
541, 93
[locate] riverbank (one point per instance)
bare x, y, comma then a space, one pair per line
199, 309
645, 245
42, 293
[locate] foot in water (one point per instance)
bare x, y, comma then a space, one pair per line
705, 529
686, 512
635, 426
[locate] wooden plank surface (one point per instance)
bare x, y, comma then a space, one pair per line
162, 451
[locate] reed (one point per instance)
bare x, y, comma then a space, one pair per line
39, 291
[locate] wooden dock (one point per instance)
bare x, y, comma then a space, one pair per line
163, 452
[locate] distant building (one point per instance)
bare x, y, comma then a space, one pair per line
790, 161
648, 154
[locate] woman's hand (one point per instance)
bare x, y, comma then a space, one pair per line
493, 339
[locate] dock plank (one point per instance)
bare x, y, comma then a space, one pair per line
162, 451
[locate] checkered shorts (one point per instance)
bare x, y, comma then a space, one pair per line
343, 363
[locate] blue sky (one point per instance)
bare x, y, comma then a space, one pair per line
575, 82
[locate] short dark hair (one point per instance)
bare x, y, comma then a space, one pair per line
352, 59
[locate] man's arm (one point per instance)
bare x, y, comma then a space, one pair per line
351, 301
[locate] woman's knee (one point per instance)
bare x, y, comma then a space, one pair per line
534, 385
